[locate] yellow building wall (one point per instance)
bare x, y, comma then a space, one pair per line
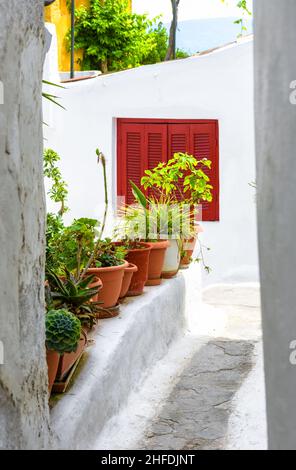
59, 14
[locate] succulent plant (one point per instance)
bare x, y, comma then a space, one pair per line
63, 330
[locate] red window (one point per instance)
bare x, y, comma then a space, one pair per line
142, 144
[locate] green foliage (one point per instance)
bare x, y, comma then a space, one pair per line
113, 38
180, 54
159, 34
72, 295
59, 191
63, 331
75, 244
245, 9
54, 230
49, 96
182, 178
155, 219
109, 255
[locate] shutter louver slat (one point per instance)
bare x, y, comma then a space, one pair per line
156, 144
203, 140
133, 162
178, 142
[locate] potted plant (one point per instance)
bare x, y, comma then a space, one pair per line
147, 216
184, 181
129, 272
79, 297
109, 265
63, 331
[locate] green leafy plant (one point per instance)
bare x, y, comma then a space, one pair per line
113, 38
162, 218
155, 219
109, 255
63, 331
243, 5
58, 191
182, 178
74, 296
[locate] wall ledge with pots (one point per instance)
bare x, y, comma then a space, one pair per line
123, 350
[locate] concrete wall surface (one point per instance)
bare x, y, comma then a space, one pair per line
275, 61
23, 376
214, 86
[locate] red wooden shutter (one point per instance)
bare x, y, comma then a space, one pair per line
140, 147
204, 144
179, 139
131, 150
155, 147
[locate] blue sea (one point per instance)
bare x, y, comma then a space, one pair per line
199, 35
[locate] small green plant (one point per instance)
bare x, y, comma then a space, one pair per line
182, 178
156, 219
58, 191
63, 331
109, 255
75, 297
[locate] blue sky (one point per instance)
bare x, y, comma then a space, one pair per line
189, 9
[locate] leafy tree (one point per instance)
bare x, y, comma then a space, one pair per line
112, 37
160, 36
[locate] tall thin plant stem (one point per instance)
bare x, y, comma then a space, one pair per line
101, 159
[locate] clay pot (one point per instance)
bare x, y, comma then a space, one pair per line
67, 360
171, 260
111, 278
128, 274
187, 252
52, 359
139, 257
156, 261
188, 247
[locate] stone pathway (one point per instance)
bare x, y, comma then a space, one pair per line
208, 392
196, 413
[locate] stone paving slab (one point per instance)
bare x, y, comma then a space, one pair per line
195, 415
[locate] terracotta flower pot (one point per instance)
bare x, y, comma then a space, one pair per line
67, 360
188, 248
171, 260
187, 252
139, 257
156, 261
111, 278
52, 359
128, 274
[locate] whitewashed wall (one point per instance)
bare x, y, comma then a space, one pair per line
215, 86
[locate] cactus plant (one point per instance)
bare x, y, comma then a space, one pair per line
63, 330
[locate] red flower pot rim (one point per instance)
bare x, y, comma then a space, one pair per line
131, 268
159, 245
144, 246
